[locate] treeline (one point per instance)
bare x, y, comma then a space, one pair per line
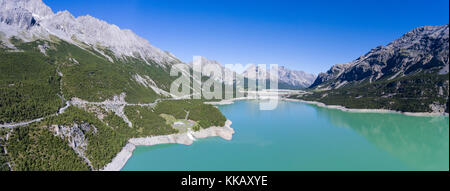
29, 88
93, 77
412, 93
29, 84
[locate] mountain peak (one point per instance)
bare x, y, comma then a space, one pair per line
421, 49
414, 36
65, 14
36, 7
288, 79
27, 19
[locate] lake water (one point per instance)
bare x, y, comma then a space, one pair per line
302, 137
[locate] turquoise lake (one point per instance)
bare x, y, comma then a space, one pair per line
302, 137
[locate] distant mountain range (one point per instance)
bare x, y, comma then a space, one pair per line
409, 74
424, 49
287, 78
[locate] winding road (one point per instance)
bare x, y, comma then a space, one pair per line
81, 102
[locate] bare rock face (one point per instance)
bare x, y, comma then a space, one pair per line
422, 49
30, 19
19, 17
413, 67
76, 137
36, 7
75, 134
225, 132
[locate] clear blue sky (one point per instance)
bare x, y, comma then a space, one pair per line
305, 35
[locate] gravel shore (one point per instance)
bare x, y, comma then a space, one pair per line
122, 157
342, 108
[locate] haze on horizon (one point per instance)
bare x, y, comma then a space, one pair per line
308, 36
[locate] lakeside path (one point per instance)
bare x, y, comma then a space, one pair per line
342, 108
225, 132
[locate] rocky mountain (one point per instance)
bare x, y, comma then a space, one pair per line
422, 49
409, 74
32, 19
294, 78
74, 90
32, 24
287, 78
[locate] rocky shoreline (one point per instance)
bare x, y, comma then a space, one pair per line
231, 101
227, 101
188, 138
342, 108
225, 132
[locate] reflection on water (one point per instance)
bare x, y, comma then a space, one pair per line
420, 142
140, 150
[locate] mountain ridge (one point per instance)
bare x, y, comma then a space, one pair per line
376, 64
409, 74
287, 78
39, 20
